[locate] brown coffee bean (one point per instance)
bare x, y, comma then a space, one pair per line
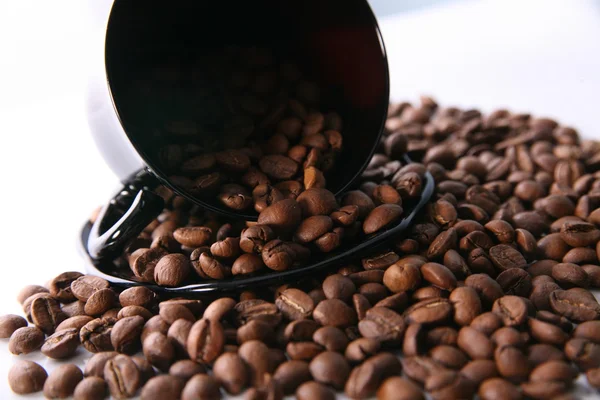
593, 377
486, 323
448, 356
583, 353
61, 344
399, 388
185, 369
46, 314
574, 305
134, 311
400, 277
515, 281
467, 305
90, 388
159, 350
256, 356
100, 301
60, 287
193, 236
381, 217
505, 257
512, 364
498, 388
125, 334
25, 340
10, 323
167, 387
554, 371
248, 310
330, 368
122, 376
512, 310
231, 373
507, 336
589, 330
29, 291
360, 199
95, 365
449, 384
172, 270
543, 390
579, 234
201, 386
431, 311
541, 353
338, 287
360, 349
438, 275
154, 324
143, 264
488, 289
295, 304
365, 378
84, 286
334, 312
475, 343
291, 374
314, 391
569, 274
331, 338
205, 341
255, 330
137, 296
477, 371
62, 381
382, 324
283, 216
26, 377
172, 312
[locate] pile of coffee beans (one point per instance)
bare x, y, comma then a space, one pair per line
261, 134
488, 295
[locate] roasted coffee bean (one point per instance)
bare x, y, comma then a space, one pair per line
569, 274
154, 324
100, 301
143, 265
312, 390
159, 350
477, 371
46, 314
172, 312
30, 290
84, 286
488, 289
185, 369
95, 335
467, 305
255, 330
553, 371
125, 334
515, 281
334, 312
545, 332
542, 390
331, 338
382, 324
172, 270
589, 330
205, 341
61, 344
512, 364
583, 353
122, 376
248, 310
541, 353
25, 340
400, 277
26, 377
291, 374
431, 311
593, 377
231, 373
420, 368
10, 323
95, 365
399, 388
90, 388
575, 305
165, 387
507, 336
448, 356
295, 304
305, 351
193, 236
512, 310
134, 311
360, 349
498, 388
486, 323
62, 381
381, 217
255, 355
449, 384
338, 287
137, 296
330, 368
366, 378
60, 287
475, 343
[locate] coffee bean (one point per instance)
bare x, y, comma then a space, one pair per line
62, 381
475, 343
122, 376
401, 277
365, 378
512, 310
84, 286
583, 353
201, 386
448, 356
498, 388
589, 330
570, 274
381, 217
10, 323
360, 349
185, 369
295, 304
231, 373
95, 365
515, 281
574, 305
334, 312
593, 377
431, 311
60, 287
137, 296
167, 387
205, 341
466, 304
449, 384
542, 390
382, 324
172, 312
438, 275
314, 391
507, 336
291, 374
90, 388
143, 265
420, 368
159, 350
154, 324
134, 311
46, 314
195, 236
546, 332
477, 371
248, 310
125, 334
26, 377
330, 368
488, 289
255, 355
61, 344
25, 340
486, 323
100, 302
30, 290
505, 257
511, 363
554, 371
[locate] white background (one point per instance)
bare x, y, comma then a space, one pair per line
541, 56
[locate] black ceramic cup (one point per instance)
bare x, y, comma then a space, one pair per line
336, 43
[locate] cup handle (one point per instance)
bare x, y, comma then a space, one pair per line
125, 216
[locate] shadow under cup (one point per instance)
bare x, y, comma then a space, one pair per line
162, 64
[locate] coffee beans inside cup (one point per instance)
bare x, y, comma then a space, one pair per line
488, 294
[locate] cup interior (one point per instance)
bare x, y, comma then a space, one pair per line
161, 57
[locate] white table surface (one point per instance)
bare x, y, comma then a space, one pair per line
541, 56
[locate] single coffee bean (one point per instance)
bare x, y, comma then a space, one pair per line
331, 338
201, 386
248, 310
498, 388
583, 353
382, 324
159, 350
25, 340
143, 264
431, 311
589, 330
477, 371
95, 335
475, 343
195, 236
137, 296
154, 324
312, 390
185, 369
593, 377
205, 341
574, 305
255, 330
76, 322
512, 310
545, 332
305, 351
61, 344
10, 323
30, 290
554, 371
338, 287
579, 234
568, 274
95, 365
399, 388
507, 336
540, 353
255, 355
360, 349
334, 312
231, 373
420, 368
172, 270
90, 388
486, 323
62, 381
400, 277
512, 364
26, 377
365, 378
448, 356
84, 286
122, 376
291, 374
165, 387
381, 217
543, 390
295, 304
438, 275
330, 368
172, 312
449, 384
505, 257
488, 289
100, 301
515, 281
46, 314
125, 334
467, 305
60, 287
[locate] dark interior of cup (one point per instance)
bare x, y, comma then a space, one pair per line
336, 43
